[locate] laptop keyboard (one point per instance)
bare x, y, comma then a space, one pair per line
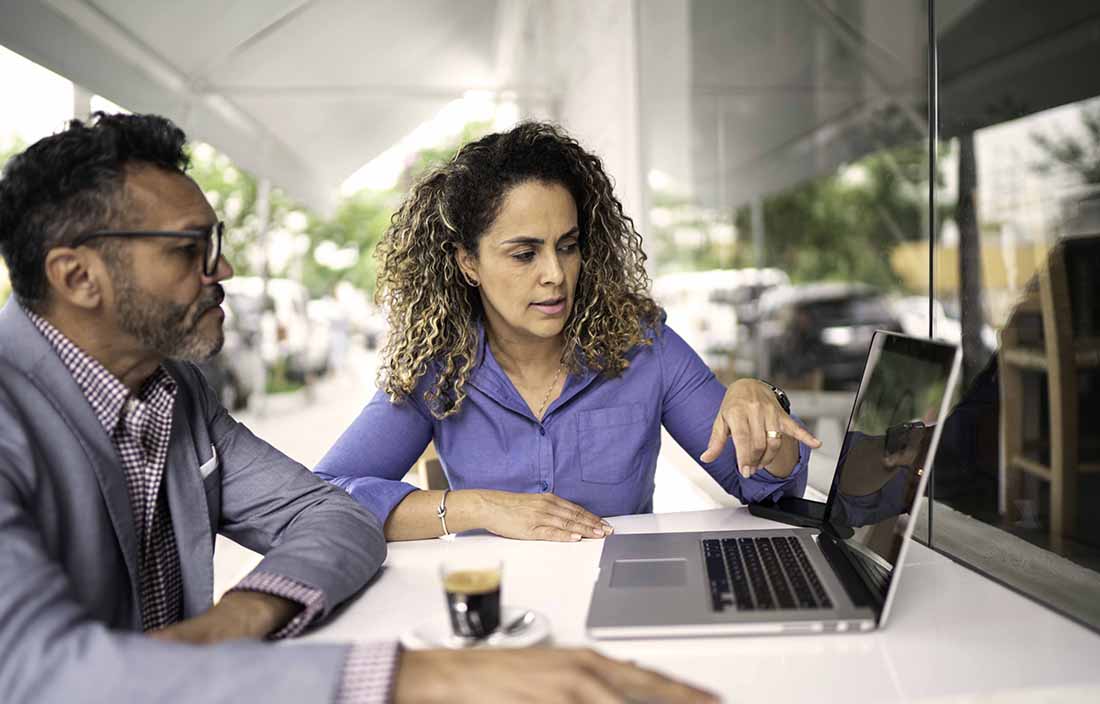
762, 574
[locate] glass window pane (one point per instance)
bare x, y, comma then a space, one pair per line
786, 150
1016, 481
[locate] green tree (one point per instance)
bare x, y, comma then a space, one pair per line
841, 226
232, 193
844, 228
675, 223
822, 230
361, 219
357, 224
1079, 154
433, 156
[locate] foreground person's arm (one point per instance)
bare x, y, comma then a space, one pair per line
533, 675
50, 650
319, 547
238, 615
53, 650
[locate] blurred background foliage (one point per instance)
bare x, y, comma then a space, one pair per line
877, 203
7, 151
838, 227
351, 231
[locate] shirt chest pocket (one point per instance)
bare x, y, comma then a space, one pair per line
611, 441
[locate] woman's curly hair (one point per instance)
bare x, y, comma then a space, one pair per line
433, 311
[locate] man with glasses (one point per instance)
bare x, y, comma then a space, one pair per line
118, 466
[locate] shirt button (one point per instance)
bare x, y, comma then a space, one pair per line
545, 486
542, 430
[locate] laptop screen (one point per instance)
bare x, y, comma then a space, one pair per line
885, 451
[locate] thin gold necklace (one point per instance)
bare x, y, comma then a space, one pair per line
546, 397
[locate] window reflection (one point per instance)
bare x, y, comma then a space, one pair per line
786, 150
885, 449
1016, 482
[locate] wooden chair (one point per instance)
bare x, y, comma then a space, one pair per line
1065, 351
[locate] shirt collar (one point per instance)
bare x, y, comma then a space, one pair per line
105, 392
488, 376
487, 373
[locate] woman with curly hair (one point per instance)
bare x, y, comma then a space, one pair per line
524, 344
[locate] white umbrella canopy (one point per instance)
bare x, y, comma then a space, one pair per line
782, 91
302, 92
739, 98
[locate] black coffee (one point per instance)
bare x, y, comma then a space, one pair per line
473, 601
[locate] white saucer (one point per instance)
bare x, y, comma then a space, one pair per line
437, 633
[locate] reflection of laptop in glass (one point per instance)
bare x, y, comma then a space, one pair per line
842, 578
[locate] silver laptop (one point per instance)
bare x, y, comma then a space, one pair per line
839, 579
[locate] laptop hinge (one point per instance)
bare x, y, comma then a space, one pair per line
858, 590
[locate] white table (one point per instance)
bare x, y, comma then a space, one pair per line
952, 636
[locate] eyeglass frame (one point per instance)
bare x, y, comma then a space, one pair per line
213, 236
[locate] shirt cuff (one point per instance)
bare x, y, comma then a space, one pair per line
763, 485
311, 599
800, 468
369, 673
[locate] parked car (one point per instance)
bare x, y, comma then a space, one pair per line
236, 373
328, 338
705, 307
287, 334
912, 312
817, 335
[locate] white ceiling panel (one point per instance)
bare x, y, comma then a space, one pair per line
302, 91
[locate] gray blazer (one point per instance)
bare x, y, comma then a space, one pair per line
70, 613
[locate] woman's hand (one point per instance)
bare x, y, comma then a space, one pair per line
749, 412
538, 517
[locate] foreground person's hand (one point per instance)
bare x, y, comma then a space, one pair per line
532, 675
538, 517
241, 614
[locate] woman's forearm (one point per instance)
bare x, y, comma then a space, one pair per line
415, 517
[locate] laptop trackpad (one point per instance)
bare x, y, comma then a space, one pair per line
629, 574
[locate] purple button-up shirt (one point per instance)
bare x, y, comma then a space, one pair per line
596, 445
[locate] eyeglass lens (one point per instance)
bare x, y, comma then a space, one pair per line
213, 249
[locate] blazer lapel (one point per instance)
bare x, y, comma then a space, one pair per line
26, 347
187, 503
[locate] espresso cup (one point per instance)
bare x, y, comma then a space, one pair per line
473, 597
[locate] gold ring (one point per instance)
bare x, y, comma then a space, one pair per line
774, 434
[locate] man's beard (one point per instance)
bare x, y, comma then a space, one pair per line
164, 326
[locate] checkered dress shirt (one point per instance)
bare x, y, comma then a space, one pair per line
139, 428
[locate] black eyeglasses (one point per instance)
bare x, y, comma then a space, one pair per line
212, 235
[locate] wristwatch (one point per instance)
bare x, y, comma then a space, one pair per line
780, 396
